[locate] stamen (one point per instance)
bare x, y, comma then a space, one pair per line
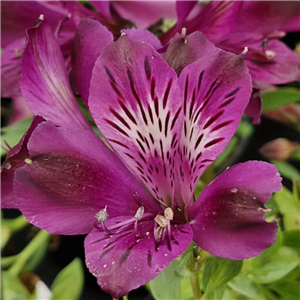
163, 223
139, 213
102, 215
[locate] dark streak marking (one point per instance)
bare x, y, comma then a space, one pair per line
147, 68
213, 119
166, 94
227, 102
233, 92
215, 141
167, 123
121, 119
198, 141
219, 126
200, 80
118, 142
175, 118
127, 112
141, 146
116, 127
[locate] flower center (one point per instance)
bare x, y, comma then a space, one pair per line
163, 224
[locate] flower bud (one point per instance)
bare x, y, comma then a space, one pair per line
278, 149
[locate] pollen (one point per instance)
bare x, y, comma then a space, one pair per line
102, 215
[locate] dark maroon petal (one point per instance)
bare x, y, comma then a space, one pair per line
136, 103
228, 217
90, 38
183, 50
216, 91
254, 107
45, 83
69, 176
129, 256
15, 159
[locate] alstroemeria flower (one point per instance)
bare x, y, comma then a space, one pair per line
233, 25
137, 202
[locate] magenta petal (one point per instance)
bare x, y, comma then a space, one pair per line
228, 217
183, 50
275, 64
103, 7
254, 106
216, 19
129, 258
136, 103
145, 13
45, 84
90, 38
70, 176
216, 89
143, 35
15, 159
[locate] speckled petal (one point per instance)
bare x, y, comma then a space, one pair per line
228, 217
127, 257
71, 175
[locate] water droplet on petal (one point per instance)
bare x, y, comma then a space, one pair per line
234, 190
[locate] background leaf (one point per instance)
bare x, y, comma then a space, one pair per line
68, 284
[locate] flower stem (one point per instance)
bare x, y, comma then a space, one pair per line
195, 286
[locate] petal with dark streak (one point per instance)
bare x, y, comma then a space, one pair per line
228, 217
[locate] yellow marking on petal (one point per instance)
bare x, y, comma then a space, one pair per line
28, 160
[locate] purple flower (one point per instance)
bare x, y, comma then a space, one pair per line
165, 126
233, 25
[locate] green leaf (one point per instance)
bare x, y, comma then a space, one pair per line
280, 97
288, 290
13, 133
244, 286
273, 271
12, 288
287, 170
167, 284
285, 201
68, 284
291, 238
217, 272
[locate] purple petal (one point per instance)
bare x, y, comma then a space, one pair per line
129, 257
103, 7
228, 217
276, 64
216, 91
45, 83
137, 107
70, 176
90, 38
182, 50
15, 159
17, 16
143, 35
254, 106
11, 57
215, 20
268, 16
145, 13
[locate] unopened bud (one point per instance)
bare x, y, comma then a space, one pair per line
278, 149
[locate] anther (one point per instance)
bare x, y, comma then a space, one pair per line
102, 215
